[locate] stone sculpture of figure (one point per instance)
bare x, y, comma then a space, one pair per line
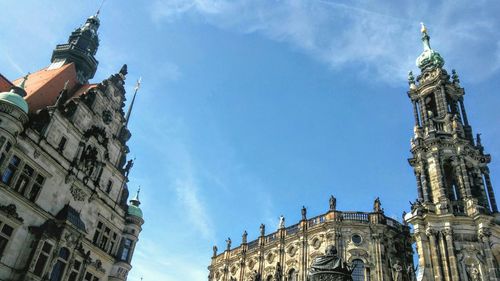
377, 206
333, 203
304, 213
244, 237
278, 272
397, 272
473, 273
228, 243
411, 273
215, 251
256, 276
123, 70
403, 218
282, 222
128, 166
329, 267
262, 229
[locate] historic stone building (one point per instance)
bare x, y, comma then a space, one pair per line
455, 217
64, 170
378, 246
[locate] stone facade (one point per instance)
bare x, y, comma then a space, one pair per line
379, 247
456, 223
63, 185
455, 217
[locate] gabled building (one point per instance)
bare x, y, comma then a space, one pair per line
64, 171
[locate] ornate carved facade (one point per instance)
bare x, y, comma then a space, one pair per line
63, 172
455, 217
378, 247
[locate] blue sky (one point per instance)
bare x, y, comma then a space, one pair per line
250, 109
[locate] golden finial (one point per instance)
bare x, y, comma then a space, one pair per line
423, 29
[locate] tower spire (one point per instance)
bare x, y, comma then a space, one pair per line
429, 58
136, 89
80, 49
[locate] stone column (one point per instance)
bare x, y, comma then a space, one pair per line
438, 275
424, 183
378, 256
448, 234
423, 109
491, 194
419, 186
465, 177
415, 113
444, 256
424, 255
464, 114
484, 236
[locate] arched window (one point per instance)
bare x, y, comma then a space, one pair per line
292, 275
60, 266
358, 274
269, 278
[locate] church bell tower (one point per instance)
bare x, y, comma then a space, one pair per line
455, 217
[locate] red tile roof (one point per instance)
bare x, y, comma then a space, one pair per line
5, 84
43, 87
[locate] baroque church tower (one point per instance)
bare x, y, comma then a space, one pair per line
455, 218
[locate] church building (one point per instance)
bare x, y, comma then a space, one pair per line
64, 213
455, 219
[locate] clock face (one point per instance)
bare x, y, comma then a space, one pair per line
107, 117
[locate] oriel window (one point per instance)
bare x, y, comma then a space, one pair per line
11, 169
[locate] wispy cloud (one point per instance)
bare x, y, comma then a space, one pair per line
380, 38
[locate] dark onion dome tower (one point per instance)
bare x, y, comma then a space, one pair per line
455, 217
81, 49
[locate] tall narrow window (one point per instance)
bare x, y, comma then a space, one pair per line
292, 275
58, 269
127, 247
97, 233
105, 238
109, 186
4, 152
11, 169
42, 259
112, 243
90, 277
73, 276
5, 234
24, 179
358, 274
35, 188
62, 144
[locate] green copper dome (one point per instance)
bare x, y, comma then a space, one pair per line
429, 58
133, 206
13, 97
134, 211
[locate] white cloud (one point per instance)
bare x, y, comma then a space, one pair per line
381, 38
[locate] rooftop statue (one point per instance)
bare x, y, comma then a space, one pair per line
329, 267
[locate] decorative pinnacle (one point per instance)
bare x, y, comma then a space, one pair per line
22, 84
411, 78
423, 29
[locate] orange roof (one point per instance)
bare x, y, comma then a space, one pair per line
43, 87
5, 84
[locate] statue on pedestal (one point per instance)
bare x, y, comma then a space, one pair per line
329, 267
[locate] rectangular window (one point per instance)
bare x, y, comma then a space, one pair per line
105, 239
73, 276
4, 152
112, 243
11, 169
35, 188
97, 233
42, 259
127, 246
62, 144
5, 234
24, 179
109, 187
90, 277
